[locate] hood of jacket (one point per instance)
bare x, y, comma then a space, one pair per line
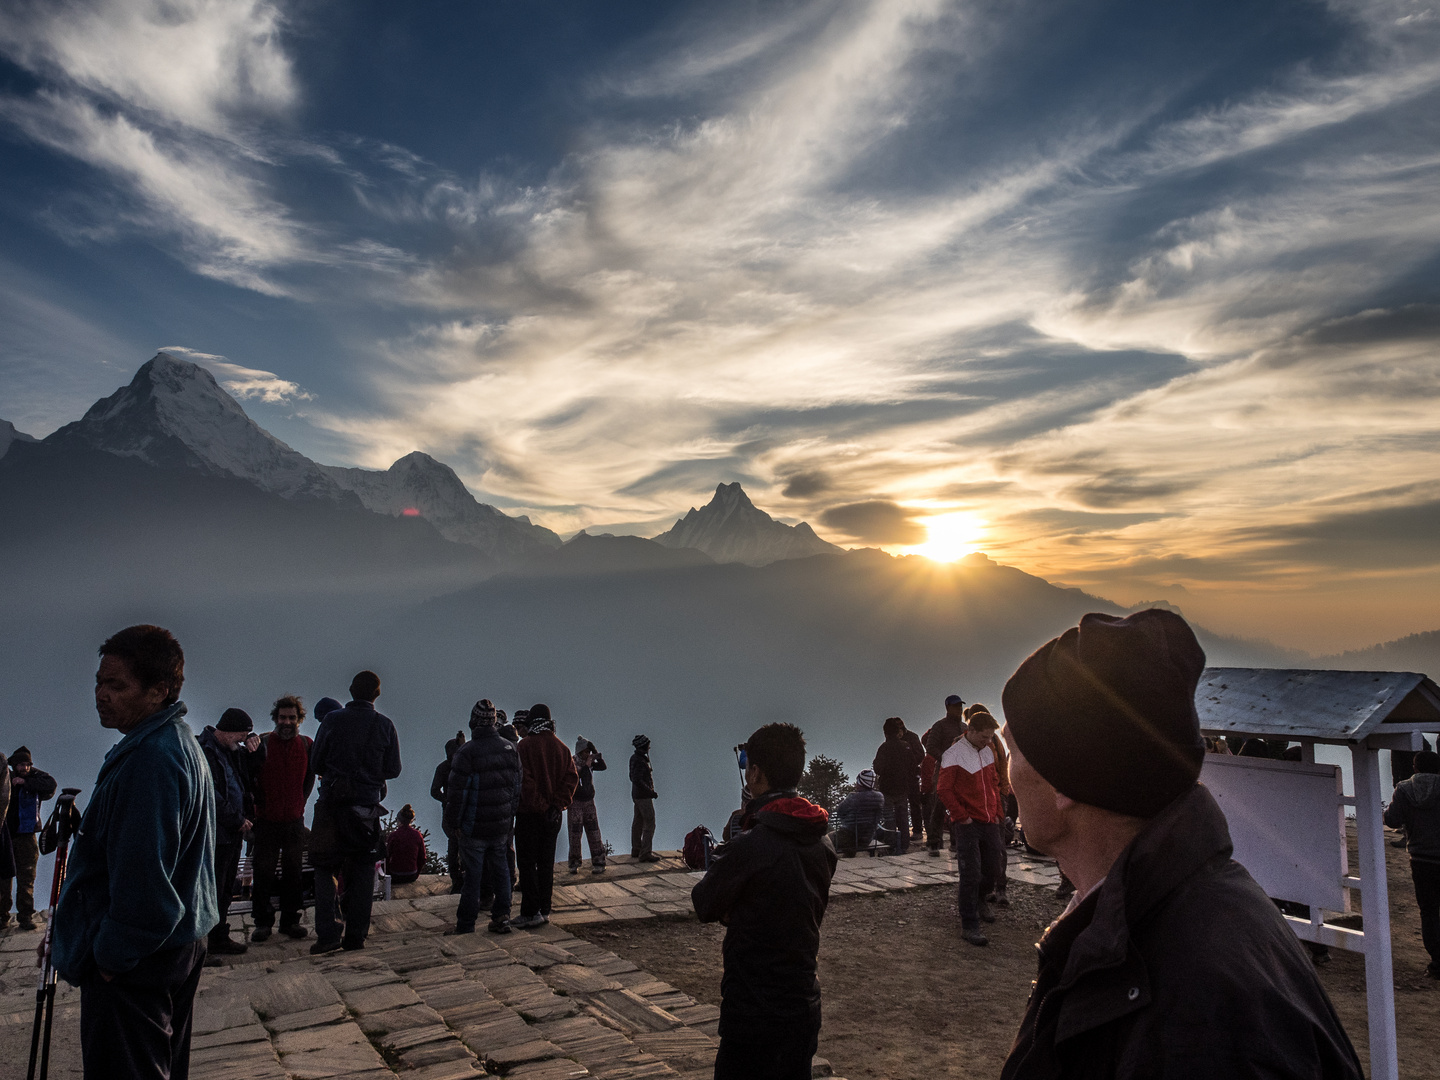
789, 813
1425, 790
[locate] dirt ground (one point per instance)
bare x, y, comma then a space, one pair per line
906, 998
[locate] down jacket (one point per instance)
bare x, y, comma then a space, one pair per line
1416, 808
482, 790
770, 886
1178, 965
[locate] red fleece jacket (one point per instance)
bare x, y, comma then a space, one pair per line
969, 784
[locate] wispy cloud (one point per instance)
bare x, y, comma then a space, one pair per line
245, 383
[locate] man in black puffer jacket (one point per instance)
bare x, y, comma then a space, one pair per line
770, 886
482, 793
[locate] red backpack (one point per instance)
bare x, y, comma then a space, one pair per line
699, 848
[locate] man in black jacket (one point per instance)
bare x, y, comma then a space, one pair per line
482, 794
938, 738
29, 787
356, 750
897, 768
1416, 808
770, 886
227, 747
643, 795
1170, 960
454, 860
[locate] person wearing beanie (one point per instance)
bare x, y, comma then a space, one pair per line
969, 786
405, 848
643, 795
357, 750
549, 779
283, 781
937, 739
1415, 807
454, 861
29, 787
581, 817
897, 766
324, 707
1169, 959
482, 794
858, 815
228, 746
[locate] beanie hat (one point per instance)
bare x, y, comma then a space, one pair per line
325, 706
21, 756
482, 715
539, 720
640, 742
522, 715
539, 712
1106, 711
235, 720
500, 717
582, 744
866, 779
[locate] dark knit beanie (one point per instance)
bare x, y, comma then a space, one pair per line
325, 706
21, 756
483, 715
1106, 711
539, 712
235, 720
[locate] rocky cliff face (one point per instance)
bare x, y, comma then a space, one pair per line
9, 436
732, 529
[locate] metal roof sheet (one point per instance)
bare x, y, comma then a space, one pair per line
1333, 705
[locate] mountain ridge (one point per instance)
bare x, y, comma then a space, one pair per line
731, 528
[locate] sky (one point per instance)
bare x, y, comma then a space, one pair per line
1142, 298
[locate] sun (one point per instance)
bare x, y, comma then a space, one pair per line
949, 536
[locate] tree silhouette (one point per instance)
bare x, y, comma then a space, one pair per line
824, 782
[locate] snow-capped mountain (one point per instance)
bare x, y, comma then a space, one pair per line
417, 482
9, 435
730, 528
174, 415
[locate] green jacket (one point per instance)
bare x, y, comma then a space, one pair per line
141, 876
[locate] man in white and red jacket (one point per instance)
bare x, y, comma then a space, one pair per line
969, 786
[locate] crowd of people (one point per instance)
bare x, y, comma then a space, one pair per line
1167, 954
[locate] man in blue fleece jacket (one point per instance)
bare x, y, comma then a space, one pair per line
139, 895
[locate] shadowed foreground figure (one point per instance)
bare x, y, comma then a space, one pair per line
770, 886
139, 896
1170, 961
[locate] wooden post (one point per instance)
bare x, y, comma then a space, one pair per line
1374, 888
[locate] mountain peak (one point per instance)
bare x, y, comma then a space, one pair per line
8, 436
731, 528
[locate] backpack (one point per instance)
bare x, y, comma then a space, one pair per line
699, 848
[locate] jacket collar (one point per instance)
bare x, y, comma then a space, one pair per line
1173, 847
147, 727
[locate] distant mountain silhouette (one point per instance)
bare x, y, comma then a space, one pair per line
1414, 652
9, 435
604, 554
174, 415
732, 529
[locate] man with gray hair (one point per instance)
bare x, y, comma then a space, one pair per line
1170, 960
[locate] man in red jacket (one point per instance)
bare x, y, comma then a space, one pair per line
969, 786
548, 782
283, 781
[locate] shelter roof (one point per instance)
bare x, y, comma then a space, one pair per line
1333, 706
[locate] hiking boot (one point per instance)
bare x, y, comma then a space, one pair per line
975, 937
460, 930
652, 857
4, 920
260, 933
574, 867
986, 915
227, 946
525, 922
27, 922
320, 948
1000, 899
352, 946
297, 931
598, 869
499, 926
934, 852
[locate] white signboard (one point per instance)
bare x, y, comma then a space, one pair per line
1287, 824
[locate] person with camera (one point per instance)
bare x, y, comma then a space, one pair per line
581, 815
643, 795
548, 782
227, 747
29, 787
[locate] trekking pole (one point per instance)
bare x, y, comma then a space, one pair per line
63, 820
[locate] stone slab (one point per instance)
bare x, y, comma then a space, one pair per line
326, 1014
387, 996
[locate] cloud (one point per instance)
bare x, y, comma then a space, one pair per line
806, 485
876, 522
248, 384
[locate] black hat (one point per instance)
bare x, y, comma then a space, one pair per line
1106, 711
21, 756
235, 720
539, 712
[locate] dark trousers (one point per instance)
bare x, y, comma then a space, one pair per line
278, 842
936, 822
137, 1026
487, 874
227, 864
981, 854
1427, 899
897, 816
358, 870
455, 860
761, 1051
583, 818
535, 836
642, 828
27, 857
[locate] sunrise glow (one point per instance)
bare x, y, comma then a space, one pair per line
950, 536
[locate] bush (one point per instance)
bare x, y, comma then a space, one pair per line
824, 782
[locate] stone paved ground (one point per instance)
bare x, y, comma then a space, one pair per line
531, 1005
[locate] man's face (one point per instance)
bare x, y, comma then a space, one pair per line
1042, 819
22, 769
120, 699
979, 739
287, 722
231, 739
